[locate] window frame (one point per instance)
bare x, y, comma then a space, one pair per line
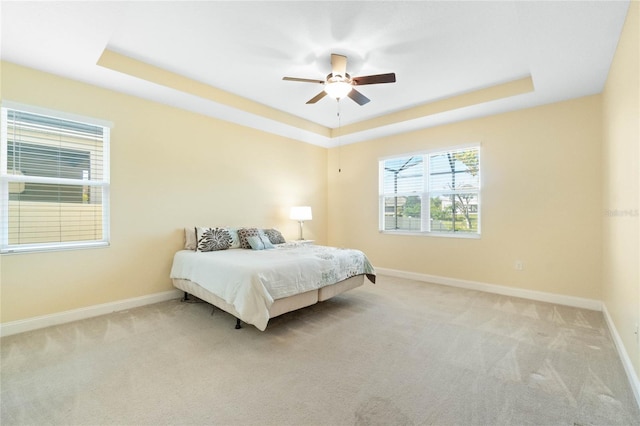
426, 194
103, 184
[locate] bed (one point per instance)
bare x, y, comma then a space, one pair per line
256, 285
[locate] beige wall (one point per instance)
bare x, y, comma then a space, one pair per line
169, 168
621, 201
541, 201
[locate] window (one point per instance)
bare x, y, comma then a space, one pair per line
432, 193
54, 181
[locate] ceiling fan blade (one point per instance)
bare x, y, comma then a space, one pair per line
374, 79
304, 80
358, 97
338, 64
317, 97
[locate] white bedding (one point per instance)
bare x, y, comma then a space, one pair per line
251, 280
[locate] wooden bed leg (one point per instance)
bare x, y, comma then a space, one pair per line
186, 297
238, 326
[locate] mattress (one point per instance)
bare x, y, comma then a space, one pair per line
250, 281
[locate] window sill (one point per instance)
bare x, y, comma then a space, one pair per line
39, 248
434, 234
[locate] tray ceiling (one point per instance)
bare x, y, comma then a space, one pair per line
453, 60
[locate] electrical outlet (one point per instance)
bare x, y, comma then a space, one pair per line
519, 265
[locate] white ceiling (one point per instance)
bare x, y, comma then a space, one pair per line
436, 49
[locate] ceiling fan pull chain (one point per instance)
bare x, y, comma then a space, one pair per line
338, 136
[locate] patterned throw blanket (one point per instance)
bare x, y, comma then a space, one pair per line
342, 263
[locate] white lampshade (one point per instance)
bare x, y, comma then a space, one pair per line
301, 213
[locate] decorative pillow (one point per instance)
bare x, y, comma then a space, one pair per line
266, 242
260, 242
190, 240
274, 236
244, 233
255, 242
235, 239
212, 239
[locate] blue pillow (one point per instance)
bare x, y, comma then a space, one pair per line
259, 242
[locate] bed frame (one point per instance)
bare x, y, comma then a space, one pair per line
280, 306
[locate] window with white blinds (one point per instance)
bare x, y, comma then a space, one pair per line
431, 193
54, 181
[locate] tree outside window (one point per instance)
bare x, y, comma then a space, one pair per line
448, 180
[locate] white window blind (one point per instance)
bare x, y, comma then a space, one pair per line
402, 193
437, 192
54, 182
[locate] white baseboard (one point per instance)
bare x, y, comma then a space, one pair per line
624, 357
20, 326
577, 302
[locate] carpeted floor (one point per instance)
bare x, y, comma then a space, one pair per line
399, 352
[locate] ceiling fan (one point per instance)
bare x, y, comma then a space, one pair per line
339, 83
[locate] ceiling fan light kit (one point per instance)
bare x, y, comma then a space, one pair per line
339, 83
338, 87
